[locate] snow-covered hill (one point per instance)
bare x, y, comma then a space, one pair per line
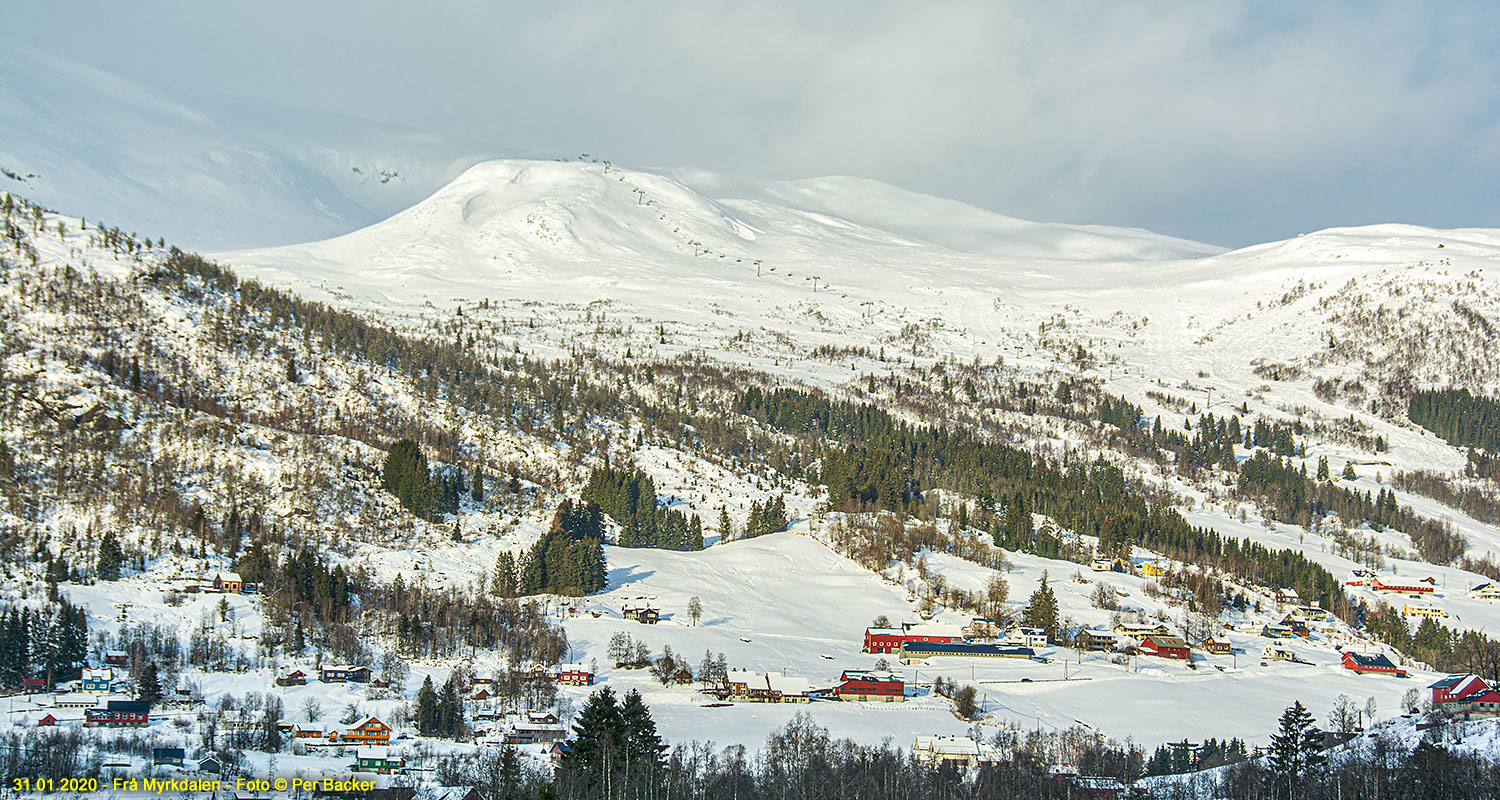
104, 147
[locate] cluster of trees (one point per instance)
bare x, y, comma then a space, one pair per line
426, 493
440, 714
49, 643
769, 517
568, 559
449, 622
615, 751
1179, 757
628, 496
1293, 497
1461, 418
860, 440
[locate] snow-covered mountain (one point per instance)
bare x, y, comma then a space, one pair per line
106, 147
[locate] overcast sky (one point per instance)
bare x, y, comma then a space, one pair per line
1225, 122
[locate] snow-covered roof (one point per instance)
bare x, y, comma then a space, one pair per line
230, 577
947, 746
883, 631
787, 684
933, 629
373, 751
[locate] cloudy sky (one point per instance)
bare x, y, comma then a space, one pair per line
1225, 122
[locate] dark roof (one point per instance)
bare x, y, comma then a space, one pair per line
1448, 682
959, 649
167, 752
1377, 660
129, 706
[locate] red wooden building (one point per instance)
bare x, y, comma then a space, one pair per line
889, 640
1378, 664
1167, 647
886, 687
1402, 588
573, 674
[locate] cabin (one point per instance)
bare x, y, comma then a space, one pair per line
210, 766
47, 721
1485, 591
1277, 632
97, 681
912, 652
1218, 647
167, 755
1167, 647
117, 658
953, 750
533, 733
341, 673
294, 678
368, 731
542, 717
870, 686
1423, 612
1102, 565
1309, 614
1465, 697
1378, 664
1276, 652
1091, 641
772, 687
308, 730
1035, 638
1287, 595
572, 674
229, 582
377, 759
641, 612
119, 714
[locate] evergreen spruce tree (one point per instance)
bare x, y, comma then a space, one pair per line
110, 558
149, 686
427, 708
1041, 611
726, 526
642, 745
1296, 750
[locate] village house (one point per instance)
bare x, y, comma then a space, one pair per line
1309, 614
229, 582
535, 730
1297, 627
957, 751
1035, 638
641, 611
47, 721
340, 673
34, 685
377, 759
294, 678
1167, 647
1102, 565
980, 628
368, 731
1138, 630
1378, 664
771, 687
210, 766
1091, 641
167, 755
1277, 632
1465, 697
1423, 612
308, 730
97, 681
1485, 591
1287, 595
865, 686
119, 714
117, 658
1276, 652
572, 674
1218, 647
1153, 569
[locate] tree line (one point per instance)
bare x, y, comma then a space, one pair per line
629, 497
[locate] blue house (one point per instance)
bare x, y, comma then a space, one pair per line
97, 681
